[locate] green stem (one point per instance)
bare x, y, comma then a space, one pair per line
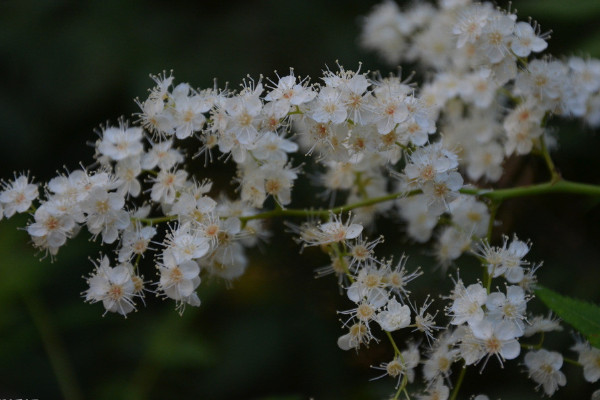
554, 175
398, 354
560, 186
396, 350
324, 213
537, 346
150, 172
56, 353
493, 208
157, 220
571, 361
459, 382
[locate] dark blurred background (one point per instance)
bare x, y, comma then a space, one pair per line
68, 66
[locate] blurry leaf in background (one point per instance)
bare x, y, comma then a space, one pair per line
581, 315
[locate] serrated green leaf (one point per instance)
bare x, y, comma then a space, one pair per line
581, 315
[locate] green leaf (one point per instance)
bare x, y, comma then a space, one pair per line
583, 316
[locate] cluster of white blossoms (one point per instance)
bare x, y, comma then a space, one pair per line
481, 323
477, 56
378, 146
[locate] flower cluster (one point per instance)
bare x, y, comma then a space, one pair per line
378, 146
479, 55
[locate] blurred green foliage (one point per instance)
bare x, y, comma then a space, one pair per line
581, 315
68, 66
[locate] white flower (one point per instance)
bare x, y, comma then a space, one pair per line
228, 260
402, 365
543, 80
178, 281
243, 113
513, 260
421, 219
362, 252
328, 106
424, 321
53, 227
395, 316
508, 308
398, 277
485, 162
369, 284
442, 189
384, 31
470, 24
166, 186
544, 368
78, 185
120, 143
440, 361
586, 74
331, 232
358, 334
479, 88
105, 214
436, 391
419, 124
496, 37
526, 40
135, 241
467, 305
113, 286
497, 339
126, 172
471, 349
272, 147
389, 109
185, 243
253, 189
505, 260
18, 195
589, 358
163, 155
288, 90
188, 113
450, 245
470, 214
539, 323
279, 180
429, 161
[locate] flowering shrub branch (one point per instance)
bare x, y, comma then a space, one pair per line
387, 146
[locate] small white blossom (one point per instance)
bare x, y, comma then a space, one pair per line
121, 142
544, 368
166, 185
54, 227
179, 281
589, 358
113, 286
17, 195
394, 317
467, 305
